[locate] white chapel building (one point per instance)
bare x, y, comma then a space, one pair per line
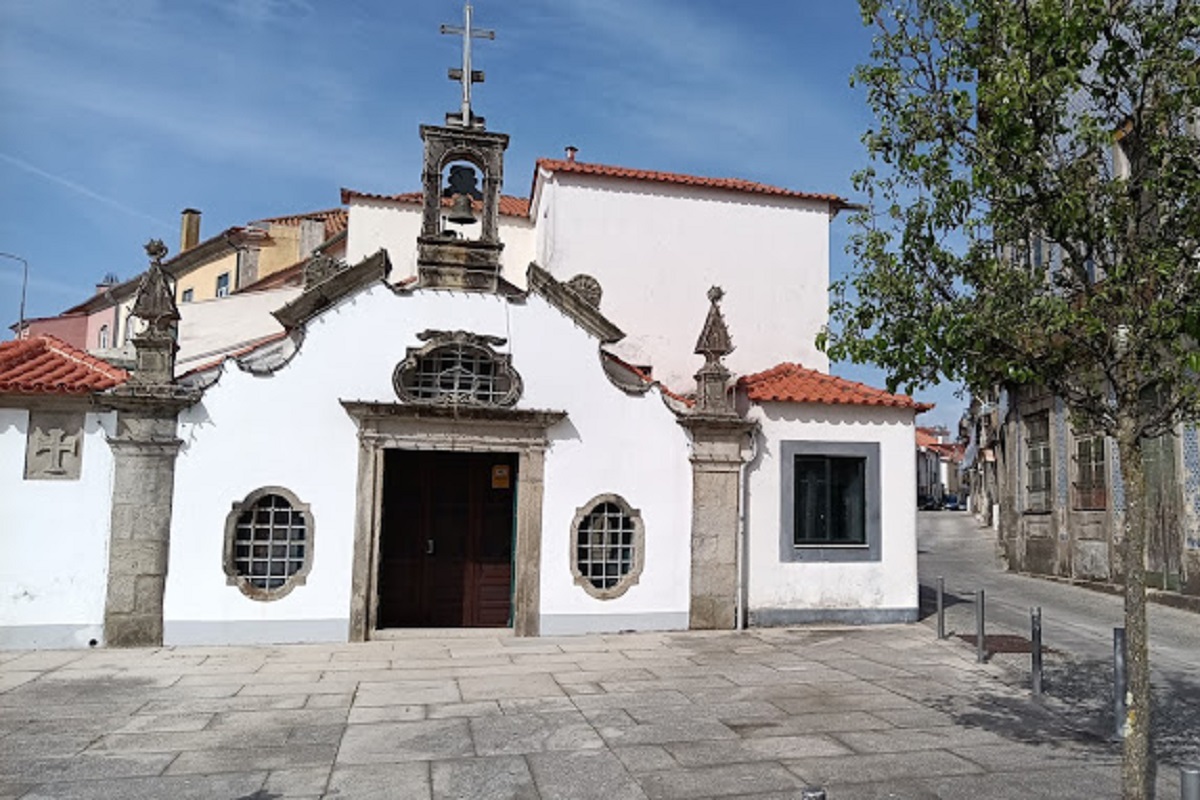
494, 412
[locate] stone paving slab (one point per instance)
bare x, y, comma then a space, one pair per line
869, 713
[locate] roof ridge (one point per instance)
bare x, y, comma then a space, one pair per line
416, 197
685, 179
304, 215
785, 382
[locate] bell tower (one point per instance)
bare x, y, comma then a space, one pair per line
457, 155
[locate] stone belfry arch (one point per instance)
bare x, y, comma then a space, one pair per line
443, 258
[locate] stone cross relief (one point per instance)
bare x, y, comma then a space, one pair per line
53, 448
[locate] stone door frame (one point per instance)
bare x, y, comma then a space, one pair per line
384, 426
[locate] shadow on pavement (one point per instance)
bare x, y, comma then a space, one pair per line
1080, 712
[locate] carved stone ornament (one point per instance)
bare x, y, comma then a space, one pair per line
588, 289
320, 268
155, 301
457, 368
714, 344
714, 336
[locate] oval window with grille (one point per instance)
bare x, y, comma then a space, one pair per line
457, 369
268, 543
607, 545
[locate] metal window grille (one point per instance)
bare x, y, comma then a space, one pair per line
269, 542
606, 541
830, 500
1037, 433
458, 373
1090, 465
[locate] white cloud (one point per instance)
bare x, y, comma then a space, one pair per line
80, 189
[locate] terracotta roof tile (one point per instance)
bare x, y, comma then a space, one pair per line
335, 220
730, 184
509, 206
46, 365
792, 383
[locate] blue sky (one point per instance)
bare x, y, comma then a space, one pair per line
117, 114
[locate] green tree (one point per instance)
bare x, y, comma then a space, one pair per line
1034, 220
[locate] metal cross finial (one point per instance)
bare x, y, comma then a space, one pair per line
466, 75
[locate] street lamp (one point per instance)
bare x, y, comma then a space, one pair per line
24, 283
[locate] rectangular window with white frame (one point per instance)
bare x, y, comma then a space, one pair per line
1037, 463
223, 285
1091, 467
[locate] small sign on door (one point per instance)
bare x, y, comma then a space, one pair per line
501, 476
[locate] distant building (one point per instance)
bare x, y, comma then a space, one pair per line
1057, 499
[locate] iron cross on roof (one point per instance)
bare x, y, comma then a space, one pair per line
466, 75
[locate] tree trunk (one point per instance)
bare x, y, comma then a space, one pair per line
1137, 767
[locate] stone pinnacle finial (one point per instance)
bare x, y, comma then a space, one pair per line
714, 344
714, 338
156, 250
154, 304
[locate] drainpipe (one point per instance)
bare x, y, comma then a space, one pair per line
743, 501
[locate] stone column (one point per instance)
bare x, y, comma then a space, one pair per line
716, 491
527, 602
144, 452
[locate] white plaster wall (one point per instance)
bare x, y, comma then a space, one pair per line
888, 584
395, 227
54, 540
656, 249
209, 328
290, 430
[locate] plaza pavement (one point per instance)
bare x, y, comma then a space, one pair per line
880, 712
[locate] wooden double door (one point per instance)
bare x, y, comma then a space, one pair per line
446, 539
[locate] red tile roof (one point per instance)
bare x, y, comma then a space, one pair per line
729, 184
509, 206
952, 452
46, 365
925, 438
335, 220
792, 383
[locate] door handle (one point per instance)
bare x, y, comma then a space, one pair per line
429, 547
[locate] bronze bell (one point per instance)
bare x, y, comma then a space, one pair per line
460, 211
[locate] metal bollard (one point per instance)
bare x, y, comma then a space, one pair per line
812, 793
1119, 683
1189, 783
1035, 649
980, 649
941, 607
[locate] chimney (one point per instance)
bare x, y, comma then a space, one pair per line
572, 151
189, 230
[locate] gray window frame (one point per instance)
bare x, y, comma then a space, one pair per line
872, 550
